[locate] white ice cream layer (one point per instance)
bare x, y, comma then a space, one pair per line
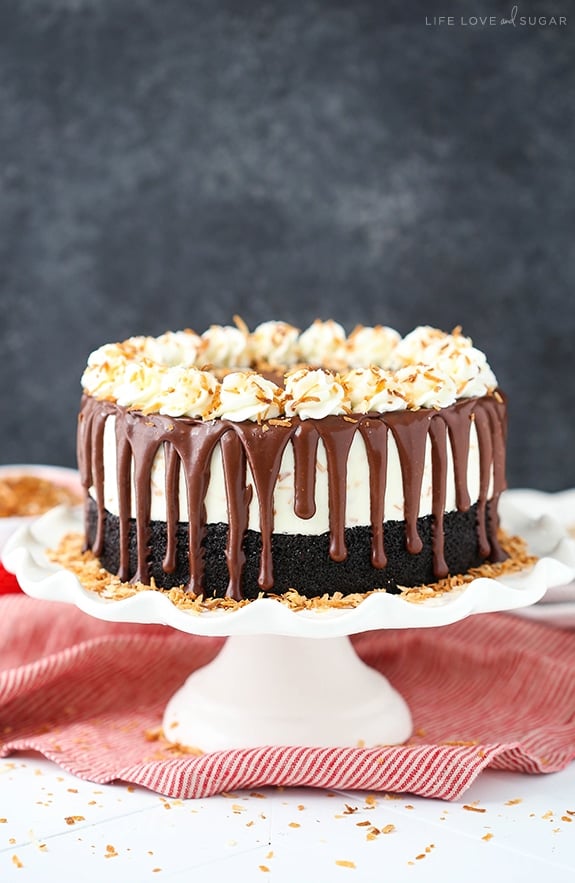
285, 519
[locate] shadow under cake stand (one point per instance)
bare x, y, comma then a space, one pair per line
286, 677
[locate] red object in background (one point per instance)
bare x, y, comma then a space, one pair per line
8, 582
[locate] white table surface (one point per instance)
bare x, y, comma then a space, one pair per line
506, 827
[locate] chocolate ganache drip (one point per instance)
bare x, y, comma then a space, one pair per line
189, 444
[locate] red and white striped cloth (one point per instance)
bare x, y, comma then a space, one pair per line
490, 691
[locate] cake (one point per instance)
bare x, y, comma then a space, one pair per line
238, 463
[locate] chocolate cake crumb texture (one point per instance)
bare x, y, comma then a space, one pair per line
95, 578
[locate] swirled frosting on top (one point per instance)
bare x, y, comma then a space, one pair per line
276, 371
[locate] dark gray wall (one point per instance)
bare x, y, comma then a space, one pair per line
168, 164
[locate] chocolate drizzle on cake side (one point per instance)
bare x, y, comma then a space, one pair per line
189, 444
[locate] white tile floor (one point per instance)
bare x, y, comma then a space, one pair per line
54, 826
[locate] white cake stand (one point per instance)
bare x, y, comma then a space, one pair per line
285, 677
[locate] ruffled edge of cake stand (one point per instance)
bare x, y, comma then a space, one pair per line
25, 555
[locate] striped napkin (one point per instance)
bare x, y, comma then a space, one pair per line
490, 691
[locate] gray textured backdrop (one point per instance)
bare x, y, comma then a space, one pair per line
167, 164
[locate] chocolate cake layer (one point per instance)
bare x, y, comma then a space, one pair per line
299, 562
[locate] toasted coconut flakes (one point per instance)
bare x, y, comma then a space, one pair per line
178, 748
168, 749
294, 825
388, 829
71, 820
342, 863
514, 802
488, 836
472, 808
31, 495
153, 735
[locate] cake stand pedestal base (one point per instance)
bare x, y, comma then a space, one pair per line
274, 690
